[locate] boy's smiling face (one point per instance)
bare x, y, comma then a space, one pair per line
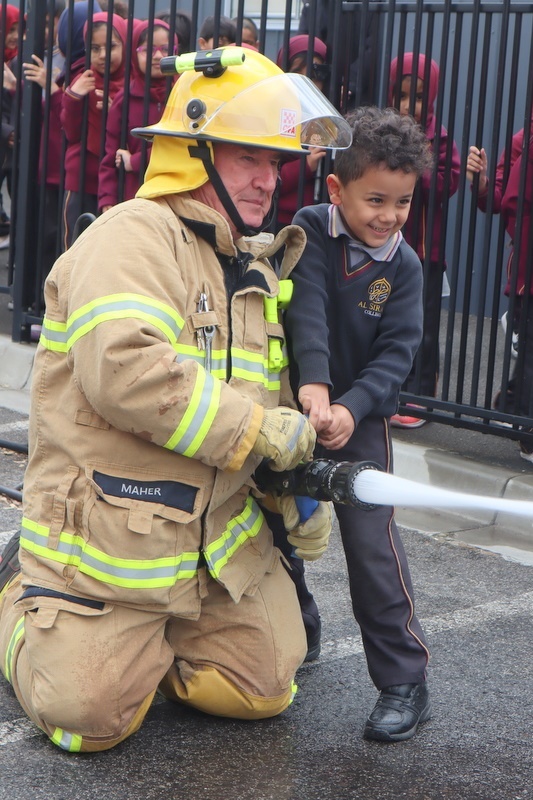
376, 205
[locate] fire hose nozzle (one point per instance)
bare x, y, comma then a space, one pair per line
321, 479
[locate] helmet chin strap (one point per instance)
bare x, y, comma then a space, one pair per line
201, 151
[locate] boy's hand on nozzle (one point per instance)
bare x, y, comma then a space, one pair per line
310, 539
314, 399
285, 437
476, 164
340, 430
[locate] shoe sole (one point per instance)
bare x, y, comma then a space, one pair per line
417, 424
312, 654
380, 735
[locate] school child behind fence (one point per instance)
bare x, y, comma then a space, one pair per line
182, 25
10, 38
516, 396
291, 173
81, 191
355, 322
134, 156
447, 167
227, 33
50, 156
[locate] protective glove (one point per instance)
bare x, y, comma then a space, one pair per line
286, 437
310, 539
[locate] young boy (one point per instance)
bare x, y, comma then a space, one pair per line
355, 322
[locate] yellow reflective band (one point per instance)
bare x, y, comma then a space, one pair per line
254, 367
128, 573
197, 420
17, 634
71, 742
294, 689
244, 526
61, 336
187, 352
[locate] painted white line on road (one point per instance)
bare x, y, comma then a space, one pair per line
21, 425
17, 730
462, 618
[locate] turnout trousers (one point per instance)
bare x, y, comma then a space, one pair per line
86, 673
380, 583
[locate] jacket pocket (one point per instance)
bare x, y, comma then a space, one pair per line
140, 534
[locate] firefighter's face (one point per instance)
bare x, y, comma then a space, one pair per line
249, 175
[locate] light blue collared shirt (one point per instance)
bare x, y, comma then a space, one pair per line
384, 252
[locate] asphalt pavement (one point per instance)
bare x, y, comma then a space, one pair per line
475, 606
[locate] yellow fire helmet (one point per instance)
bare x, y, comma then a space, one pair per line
238, 96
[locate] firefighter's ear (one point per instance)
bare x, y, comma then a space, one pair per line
334, 189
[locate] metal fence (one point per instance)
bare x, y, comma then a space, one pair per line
484, 54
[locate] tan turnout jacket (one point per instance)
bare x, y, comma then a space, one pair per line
140, 460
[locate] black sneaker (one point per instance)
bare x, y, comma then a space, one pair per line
313, 631
398, 712
9, 560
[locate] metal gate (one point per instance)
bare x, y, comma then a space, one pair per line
484, 54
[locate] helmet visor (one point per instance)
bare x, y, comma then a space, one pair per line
280, 112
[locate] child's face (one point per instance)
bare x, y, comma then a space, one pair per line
300, 68
207, 44
98, 50
160, 49
376, 205
12, 37
405, 97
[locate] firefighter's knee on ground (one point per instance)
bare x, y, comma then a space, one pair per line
101, 732
83, 716
210, 691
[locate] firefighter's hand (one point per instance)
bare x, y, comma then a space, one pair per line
285, 437
310, 539
283, 504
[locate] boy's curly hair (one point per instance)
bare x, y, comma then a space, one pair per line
383, 136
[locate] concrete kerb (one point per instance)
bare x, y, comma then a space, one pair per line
498, 531
427, 466
16, 365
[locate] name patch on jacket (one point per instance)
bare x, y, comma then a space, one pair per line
170, 493
378, 294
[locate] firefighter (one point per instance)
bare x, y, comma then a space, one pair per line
145, 561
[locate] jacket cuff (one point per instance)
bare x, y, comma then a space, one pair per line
248, 441
313, 367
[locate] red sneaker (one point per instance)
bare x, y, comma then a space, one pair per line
406, 421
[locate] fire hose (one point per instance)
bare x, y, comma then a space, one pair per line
364, 484
14, 494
